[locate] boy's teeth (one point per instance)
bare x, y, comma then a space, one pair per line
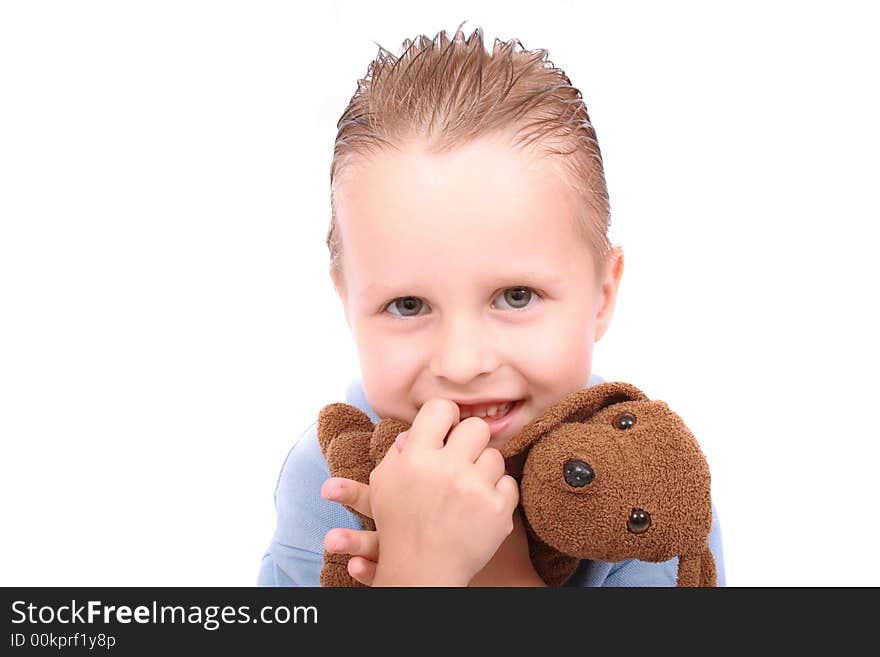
486, 411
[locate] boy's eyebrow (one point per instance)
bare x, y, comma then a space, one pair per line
374, 288
513, 278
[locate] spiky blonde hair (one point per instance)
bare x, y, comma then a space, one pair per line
448, 93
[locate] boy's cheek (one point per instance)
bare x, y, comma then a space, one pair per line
393, 360
389, 370
555, 346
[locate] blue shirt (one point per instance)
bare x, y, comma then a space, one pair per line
295, 554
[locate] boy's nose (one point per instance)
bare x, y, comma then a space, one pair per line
462, 353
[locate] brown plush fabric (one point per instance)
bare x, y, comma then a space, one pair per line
644, 488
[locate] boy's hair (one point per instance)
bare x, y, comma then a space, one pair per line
449, 93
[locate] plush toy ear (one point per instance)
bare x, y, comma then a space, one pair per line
577, 406
384, 435
338, 418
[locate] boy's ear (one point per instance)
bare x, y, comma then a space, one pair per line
578, 406
610, 286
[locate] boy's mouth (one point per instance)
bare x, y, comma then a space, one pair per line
498, 414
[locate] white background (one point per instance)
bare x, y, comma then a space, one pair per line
168, 329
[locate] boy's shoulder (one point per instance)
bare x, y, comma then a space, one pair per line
304, 516
355, 395
305, 459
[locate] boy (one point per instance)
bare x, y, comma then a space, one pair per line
469, 250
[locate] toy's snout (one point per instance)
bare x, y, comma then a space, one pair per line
579, 474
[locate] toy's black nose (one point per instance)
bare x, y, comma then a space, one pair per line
638, 521
578, 474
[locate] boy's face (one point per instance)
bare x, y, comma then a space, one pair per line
464, 278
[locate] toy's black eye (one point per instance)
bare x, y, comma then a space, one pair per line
625, 421
578, 474
638, 521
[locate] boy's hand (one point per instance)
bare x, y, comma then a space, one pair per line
510, 565
442, 506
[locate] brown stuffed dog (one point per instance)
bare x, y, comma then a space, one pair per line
605, 474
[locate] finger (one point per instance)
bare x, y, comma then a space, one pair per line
433, 422
355, 542
469, 439
509, 490
348, 491
363, 570
491, 464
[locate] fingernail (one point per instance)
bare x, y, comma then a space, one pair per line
400, 440
333, 491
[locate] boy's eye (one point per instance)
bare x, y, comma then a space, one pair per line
406, 306
516, 298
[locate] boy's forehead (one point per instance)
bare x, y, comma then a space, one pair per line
477, 216
484, 191
433, 243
